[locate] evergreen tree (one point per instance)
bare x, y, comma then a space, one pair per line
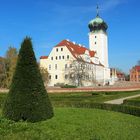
27, 98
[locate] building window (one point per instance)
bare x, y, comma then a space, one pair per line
49, 67
68, 56
66, 76
57, 49
95, 36
56, 76
51, 58
56, 57
95, 42
63, 57
61, 49
49, 76
70, 65
56, 66
59, 57
66, 66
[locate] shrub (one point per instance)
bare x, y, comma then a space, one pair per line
111, 107
27, 98
68, 86
59, 84
132, 102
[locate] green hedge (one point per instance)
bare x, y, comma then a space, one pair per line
132, 110
132, 102
68, 86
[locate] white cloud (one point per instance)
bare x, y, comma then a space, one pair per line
111, 4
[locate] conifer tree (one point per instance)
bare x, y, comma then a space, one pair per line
27, 99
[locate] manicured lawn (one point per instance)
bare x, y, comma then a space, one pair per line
75, 124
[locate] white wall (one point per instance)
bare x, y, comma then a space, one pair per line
101, 46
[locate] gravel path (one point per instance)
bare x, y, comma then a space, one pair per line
120, 101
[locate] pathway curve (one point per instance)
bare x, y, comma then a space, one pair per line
120, 101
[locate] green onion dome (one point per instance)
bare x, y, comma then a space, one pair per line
97, 24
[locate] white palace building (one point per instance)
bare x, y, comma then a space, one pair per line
74, 64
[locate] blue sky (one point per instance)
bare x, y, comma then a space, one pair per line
50, 21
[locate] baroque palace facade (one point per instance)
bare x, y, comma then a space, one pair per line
74, 64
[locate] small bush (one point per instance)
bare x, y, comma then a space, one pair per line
68, 86
132, 102
58, 84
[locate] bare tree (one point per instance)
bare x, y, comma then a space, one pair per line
45, 75
2, 73
76, 72
10, 64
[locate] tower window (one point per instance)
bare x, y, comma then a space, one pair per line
56, 66
49, 67
63, 57
56, 57
57, 49
59, 57
51, 58
61, 49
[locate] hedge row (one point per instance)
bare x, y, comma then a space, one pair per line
68, 86
132, 110
132, 102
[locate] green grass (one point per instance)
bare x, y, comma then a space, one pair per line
75, 124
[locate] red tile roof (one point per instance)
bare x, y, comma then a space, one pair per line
44, 57
137, 67
75, 49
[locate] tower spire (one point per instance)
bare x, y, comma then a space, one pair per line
97, 10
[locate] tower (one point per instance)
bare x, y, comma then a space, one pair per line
98, 40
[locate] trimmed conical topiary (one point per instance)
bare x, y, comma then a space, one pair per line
27, 98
